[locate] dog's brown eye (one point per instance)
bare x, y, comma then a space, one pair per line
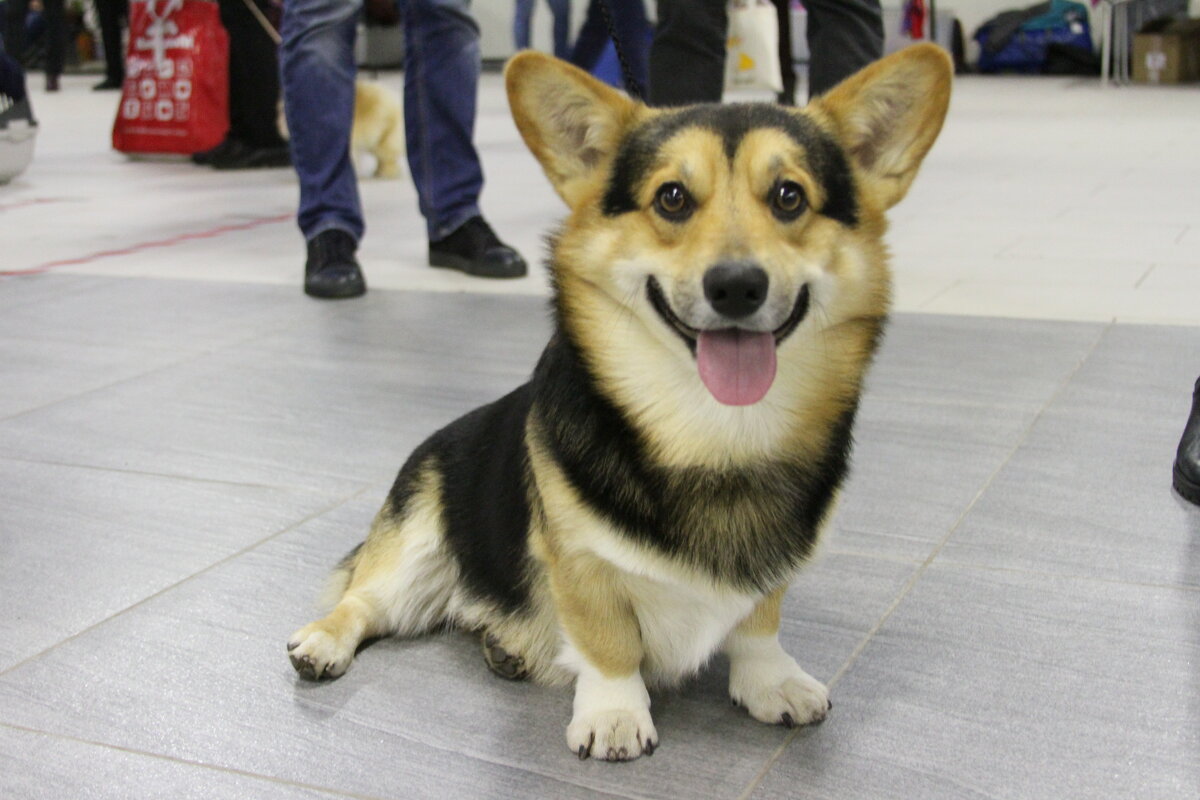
673, 202
787, 200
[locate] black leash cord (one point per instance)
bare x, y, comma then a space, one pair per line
626, 73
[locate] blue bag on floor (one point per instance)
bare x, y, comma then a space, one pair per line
1017, 41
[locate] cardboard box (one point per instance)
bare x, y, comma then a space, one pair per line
1167, 51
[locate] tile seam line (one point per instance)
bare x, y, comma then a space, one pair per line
1070, 576
568, 756
187, 358
220, 562
190, 763
301, 784
913, 579
946, 563
176, 477
118, 382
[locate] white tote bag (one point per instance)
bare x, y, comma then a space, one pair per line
752, 47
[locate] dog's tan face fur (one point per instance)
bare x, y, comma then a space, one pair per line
799, 194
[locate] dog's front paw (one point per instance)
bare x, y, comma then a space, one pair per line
612, 735
778, 692
318, 654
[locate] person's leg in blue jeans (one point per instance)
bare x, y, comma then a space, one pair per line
561, 10
522, 21
441, 76
317, 70
316, 62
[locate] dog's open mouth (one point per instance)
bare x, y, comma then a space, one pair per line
737, 366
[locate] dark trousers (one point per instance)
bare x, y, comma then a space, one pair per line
687, 59
631, 26
843, 37
253, 77
15, 12
112, 14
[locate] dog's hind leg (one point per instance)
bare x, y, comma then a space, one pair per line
389, 151
764, 679
400, 581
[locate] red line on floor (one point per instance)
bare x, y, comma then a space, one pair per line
36, 201
168, 242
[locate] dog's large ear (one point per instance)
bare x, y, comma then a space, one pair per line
889, 114
571, 121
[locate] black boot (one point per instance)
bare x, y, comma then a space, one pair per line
475, 249
332, 270
240, 155
1186, 472
227, 145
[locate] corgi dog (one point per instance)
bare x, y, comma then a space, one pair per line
378, 128
720, 286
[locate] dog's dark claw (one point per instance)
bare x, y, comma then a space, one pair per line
292, 646
649, 748
829, 707
583, 752
787, 720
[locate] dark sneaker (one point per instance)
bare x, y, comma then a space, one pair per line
476, 250
243, 156
108, 85
207, 156
332, 271
1185, 474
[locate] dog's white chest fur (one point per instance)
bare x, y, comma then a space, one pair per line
683, 624
684, 616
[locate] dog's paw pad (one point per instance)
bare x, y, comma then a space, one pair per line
500, 661
618, 735
317, 655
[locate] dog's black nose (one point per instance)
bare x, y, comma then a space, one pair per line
736, 289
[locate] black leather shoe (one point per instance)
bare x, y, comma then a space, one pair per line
476, 250
1186, 472
240, 155
332, 271
207, 156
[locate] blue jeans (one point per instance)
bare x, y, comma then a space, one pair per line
523, 19
441, 75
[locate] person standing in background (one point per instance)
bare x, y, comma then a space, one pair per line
253, 140
113, 15
53, 11
523, 21
630, 26
441, 73
687, 57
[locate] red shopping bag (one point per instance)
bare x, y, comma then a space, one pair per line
176, 93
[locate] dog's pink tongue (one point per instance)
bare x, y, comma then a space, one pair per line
737, 366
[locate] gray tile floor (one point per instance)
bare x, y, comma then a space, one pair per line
1008, 606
